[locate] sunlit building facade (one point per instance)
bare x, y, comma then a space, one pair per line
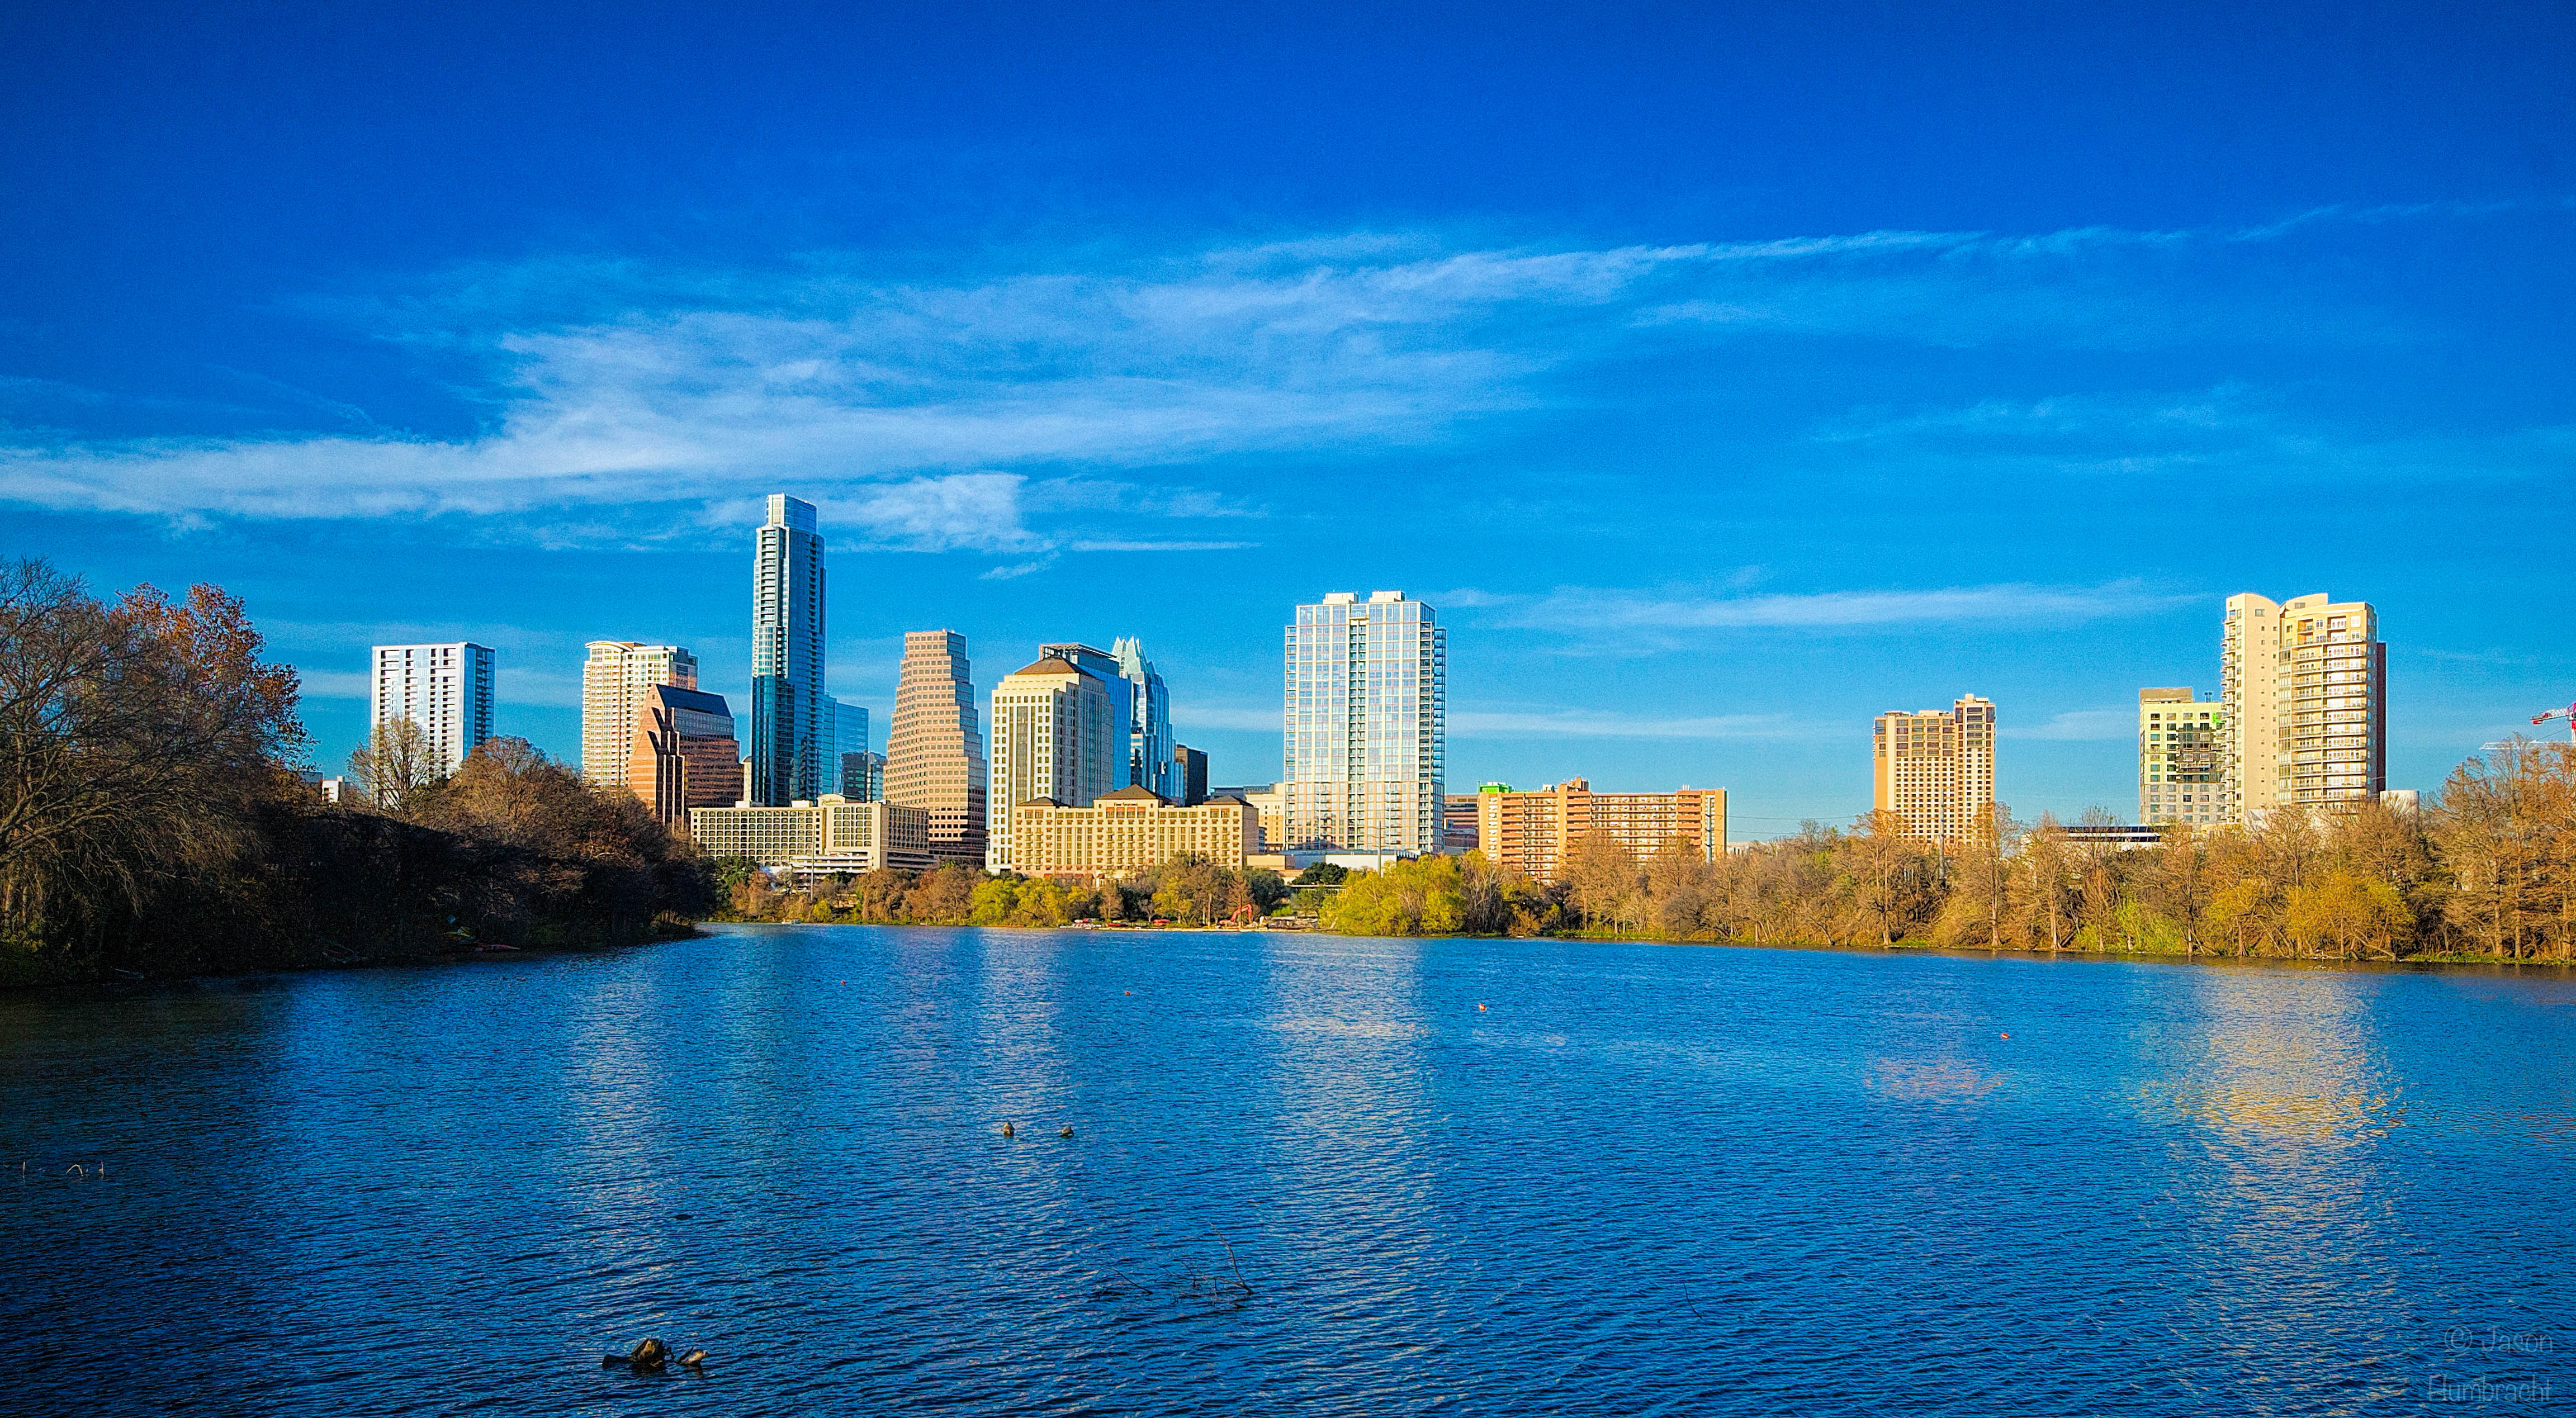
1533, 832
615, 679
445, 689
2303, 694
1129, 831
682, 753
1366, 724
2179, 769
935, 748
827, 837
1056, 736
1935, 769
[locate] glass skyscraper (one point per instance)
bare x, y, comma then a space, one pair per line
1366, 725
848, 770
1149, 721
794, 729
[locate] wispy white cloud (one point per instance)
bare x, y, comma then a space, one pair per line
630, 401
1597, 612
2228, 430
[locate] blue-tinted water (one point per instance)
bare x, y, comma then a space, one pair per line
1307, 1175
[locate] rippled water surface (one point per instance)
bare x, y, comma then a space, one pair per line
1306, 1175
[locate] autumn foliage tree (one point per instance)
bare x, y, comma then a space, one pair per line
137, 743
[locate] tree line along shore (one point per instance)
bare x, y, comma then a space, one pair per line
2487, 872
153, 822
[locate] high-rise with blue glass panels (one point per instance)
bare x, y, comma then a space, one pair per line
794, 729
1366, 725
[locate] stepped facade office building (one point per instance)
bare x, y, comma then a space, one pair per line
2304, 703
935, 748
1366, 725
446, 689
615, 679
1935, 769
794, 733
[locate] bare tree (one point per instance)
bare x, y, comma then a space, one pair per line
395, 766
1602, 875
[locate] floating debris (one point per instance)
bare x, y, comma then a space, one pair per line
649, 1357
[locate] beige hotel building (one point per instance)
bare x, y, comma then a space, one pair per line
1532, 832
1128, 831
819, 838
1936, 769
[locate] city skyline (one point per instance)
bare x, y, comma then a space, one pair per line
1715, 410
1951, 784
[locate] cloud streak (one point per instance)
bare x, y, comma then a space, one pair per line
1594, 613
630, 402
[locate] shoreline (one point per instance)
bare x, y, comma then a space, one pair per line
700, 930
1899, 948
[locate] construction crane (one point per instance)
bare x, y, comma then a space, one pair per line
2568, 714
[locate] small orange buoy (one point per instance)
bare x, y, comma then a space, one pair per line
1126, 992
2007, 1036
1480, 1009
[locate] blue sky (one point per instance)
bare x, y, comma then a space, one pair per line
1724, 377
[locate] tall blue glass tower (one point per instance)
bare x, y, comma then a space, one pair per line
794, 729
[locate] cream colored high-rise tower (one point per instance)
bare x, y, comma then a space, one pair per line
614, 683
2303, 688
1936, 769
1055, 736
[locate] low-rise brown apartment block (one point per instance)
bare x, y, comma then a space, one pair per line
1532, 832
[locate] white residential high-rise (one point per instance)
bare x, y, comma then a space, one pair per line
792, 723
1936, 769
1054, 736
2179, 769
615, 681
2304, 694
1366, 724
446, 689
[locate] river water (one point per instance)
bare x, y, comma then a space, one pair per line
1306, 1174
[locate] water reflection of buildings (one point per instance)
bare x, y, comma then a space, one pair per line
2274, 1098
